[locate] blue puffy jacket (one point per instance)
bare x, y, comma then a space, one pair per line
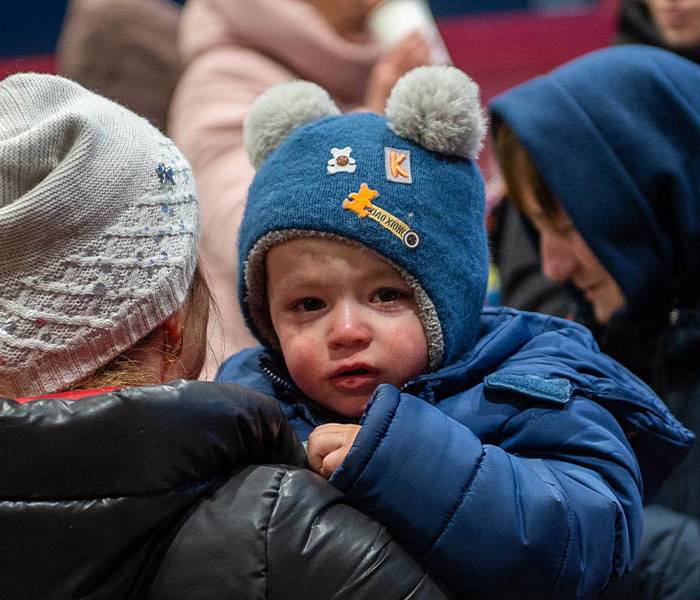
518, 471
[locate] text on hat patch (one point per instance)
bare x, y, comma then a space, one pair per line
361, 204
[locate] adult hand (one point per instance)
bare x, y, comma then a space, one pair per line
411, 52
328, 446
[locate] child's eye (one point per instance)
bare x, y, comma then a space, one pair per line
387, 295
308, 304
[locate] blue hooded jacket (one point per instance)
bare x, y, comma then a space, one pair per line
512, 472
616, 137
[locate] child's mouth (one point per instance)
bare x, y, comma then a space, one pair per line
353, 372
354, 379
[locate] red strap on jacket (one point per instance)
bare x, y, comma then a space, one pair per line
69, 395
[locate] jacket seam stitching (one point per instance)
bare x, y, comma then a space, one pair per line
567, 548
565, 557
379, 439
455, 507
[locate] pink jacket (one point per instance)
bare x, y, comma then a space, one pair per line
233, 50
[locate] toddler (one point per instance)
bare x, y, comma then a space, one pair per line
501, 447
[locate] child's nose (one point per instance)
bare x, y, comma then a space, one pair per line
558, 261
349, 326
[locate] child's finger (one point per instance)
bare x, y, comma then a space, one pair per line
326, 440
322, 441
333, 460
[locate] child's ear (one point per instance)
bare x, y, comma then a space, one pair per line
438, 107
279, 111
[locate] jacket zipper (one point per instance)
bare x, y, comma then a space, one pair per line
277, 379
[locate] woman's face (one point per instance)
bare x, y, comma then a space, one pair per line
678, 21
566, 257
346, 16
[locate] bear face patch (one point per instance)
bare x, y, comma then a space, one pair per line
341, 162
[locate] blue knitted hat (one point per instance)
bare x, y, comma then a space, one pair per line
405, 186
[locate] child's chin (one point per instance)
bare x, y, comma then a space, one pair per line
352, 408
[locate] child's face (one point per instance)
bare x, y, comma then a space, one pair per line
345, 319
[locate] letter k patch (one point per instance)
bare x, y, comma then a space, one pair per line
398, 165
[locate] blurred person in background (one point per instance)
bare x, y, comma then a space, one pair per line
125, 50
233, 50
601, 156
670, 24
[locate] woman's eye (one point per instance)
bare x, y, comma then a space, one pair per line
566, 229
387, 295
308, 304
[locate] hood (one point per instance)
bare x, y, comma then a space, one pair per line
290, 32
616, 136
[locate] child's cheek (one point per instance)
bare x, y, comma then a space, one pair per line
302, 354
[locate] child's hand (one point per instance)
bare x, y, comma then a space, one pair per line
328, 445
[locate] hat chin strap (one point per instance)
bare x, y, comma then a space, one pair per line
255, 300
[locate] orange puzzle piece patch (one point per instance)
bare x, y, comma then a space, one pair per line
361, 200
361, 205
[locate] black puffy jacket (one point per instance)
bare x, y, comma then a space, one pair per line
170, 492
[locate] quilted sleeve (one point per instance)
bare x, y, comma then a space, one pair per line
277, 532
552, 511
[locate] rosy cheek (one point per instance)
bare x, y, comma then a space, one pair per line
301, 354
407, 340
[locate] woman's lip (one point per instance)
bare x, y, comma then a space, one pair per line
590, 289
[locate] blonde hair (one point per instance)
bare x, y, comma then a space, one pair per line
127, 370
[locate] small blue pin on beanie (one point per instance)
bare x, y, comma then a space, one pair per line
405, 185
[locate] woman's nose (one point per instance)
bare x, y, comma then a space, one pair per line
349, 326
558, 261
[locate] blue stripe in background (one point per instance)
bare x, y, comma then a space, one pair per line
450, 8
30, 26
454, 8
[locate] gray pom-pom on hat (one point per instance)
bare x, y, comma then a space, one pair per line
280, 110
438, 107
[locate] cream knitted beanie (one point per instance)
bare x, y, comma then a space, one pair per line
98, 231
